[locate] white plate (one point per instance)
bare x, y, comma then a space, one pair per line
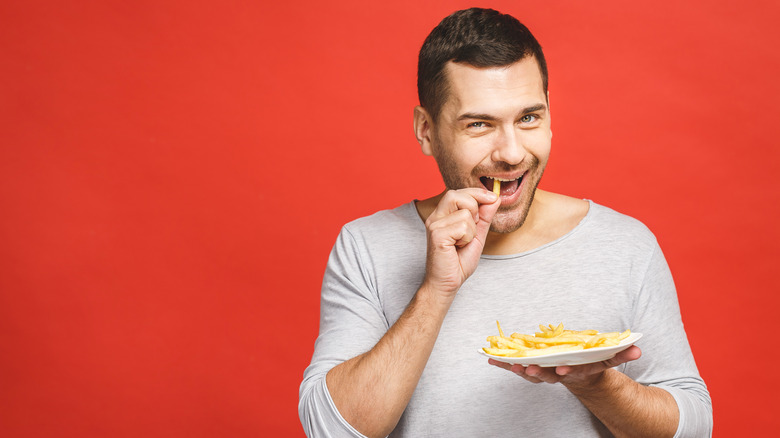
578, 357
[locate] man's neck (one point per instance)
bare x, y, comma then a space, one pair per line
550, 217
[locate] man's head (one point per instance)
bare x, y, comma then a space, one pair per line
492, 119
477, 37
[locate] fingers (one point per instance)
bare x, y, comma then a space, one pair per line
463, 199
486, 213
631, 353
569, 373
454, 240
546, 375
518, 369
450, 220
457, 228
503, 365
489, 205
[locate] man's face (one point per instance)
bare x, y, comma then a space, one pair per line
494, 124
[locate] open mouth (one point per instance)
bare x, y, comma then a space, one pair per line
508, 186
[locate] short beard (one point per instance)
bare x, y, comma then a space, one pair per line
453, 180
502, 227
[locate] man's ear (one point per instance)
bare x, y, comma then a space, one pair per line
423, 129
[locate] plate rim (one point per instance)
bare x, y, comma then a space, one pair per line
534, 360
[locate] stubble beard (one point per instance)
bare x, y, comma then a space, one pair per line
512, 217
508, 218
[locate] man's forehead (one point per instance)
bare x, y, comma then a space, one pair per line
468, 85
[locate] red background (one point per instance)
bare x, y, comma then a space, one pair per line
173, 175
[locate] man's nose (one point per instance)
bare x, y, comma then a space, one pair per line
508, 147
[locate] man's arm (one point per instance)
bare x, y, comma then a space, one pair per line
627, 408
676, 403
372, 390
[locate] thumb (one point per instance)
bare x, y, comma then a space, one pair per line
486, 214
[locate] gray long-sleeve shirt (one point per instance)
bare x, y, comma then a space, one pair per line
607, 274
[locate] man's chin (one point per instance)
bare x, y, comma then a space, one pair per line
506, 225
511, 218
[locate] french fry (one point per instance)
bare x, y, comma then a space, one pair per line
550, 332
600, 339
497, 187
581, 332
504, 342
551, 339
499, 351
549, 350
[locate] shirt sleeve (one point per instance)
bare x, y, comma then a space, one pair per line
667, 361
351, 323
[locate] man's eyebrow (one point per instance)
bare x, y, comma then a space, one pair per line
534, 108
488, 117
467, 116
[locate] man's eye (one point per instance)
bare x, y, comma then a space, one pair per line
477, 125
528, 118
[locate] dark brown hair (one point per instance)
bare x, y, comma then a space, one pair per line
478, 37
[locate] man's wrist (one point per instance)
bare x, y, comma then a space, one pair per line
594, 386
431, 296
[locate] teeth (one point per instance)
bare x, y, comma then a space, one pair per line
504, 180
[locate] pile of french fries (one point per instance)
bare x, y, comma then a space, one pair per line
551, 339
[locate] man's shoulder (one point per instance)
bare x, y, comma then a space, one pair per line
567, 213
619, 226
389, 221
610, 216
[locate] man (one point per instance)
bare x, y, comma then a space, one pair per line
409, 293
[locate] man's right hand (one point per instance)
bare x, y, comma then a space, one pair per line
372, 390
456, 230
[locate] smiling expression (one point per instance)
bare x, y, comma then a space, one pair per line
495, 124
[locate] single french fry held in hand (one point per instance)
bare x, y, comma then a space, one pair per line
551, 339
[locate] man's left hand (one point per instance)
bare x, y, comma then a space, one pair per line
576, 375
